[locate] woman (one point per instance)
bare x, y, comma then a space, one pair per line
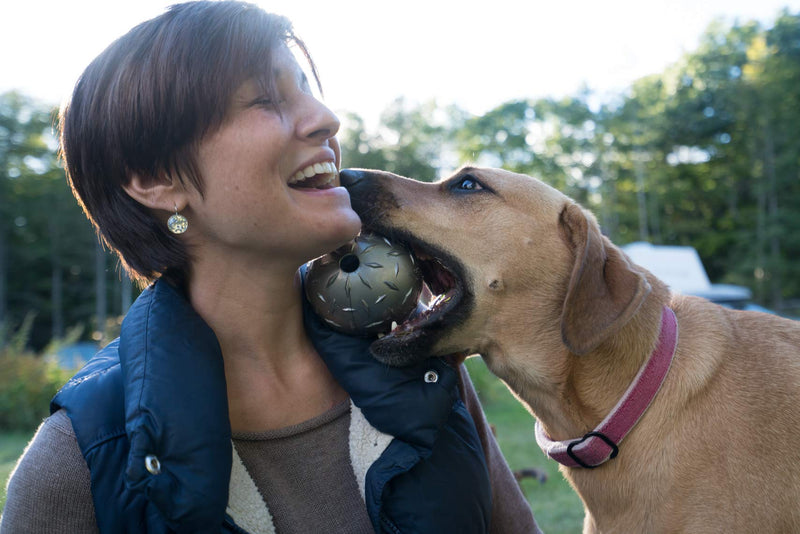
197, 149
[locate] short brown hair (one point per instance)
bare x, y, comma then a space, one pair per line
142, 106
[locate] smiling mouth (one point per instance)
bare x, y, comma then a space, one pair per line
316, 176
411, 340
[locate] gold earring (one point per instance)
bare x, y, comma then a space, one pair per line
177, 223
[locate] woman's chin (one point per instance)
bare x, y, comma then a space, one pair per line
347, 225
339, 231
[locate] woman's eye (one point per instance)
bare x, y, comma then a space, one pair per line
468, 183
267, 103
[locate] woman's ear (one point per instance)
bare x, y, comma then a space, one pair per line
156, 193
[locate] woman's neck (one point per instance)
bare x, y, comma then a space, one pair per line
274, 376
251, 311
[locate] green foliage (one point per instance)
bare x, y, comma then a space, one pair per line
48, 260
27, 383
409, 141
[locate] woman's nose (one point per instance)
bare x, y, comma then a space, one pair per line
318, 122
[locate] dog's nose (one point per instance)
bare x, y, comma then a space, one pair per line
350, 177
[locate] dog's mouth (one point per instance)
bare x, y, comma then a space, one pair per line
442, 305
442, 295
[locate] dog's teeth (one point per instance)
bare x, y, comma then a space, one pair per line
394, 326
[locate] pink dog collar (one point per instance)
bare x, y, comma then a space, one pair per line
602, 443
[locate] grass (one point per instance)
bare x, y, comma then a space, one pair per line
11, 446
556, 506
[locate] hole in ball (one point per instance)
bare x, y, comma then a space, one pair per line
349, 263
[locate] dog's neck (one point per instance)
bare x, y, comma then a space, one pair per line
573, 393
602, 442
600, 378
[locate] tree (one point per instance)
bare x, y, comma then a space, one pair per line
411, 140
25, 148
47, 245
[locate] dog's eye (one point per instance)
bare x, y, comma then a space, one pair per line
467, 183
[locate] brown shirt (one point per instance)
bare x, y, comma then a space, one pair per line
303, 472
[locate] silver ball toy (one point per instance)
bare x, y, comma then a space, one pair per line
362, 287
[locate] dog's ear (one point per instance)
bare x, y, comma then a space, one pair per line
605, 289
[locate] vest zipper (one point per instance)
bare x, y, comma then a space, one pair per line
388, 526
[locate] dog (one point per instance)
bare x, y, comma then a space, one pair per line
526, 280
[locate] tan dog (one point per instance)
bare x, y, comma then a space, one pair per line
560, 314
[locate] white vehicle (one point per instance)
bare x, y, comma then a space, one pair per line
681, 269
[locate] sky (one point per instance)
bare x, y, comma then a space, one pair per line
369, 52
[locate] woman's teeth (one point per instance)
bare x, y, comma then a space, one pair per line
326, 167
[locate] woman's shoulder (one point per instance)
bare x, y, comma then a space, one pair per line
58, 424
50, 487
52, 453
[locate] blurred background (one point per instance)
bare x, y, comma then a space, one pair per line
674, 121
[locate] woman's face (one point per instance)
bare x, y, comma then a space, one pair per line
254, 202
